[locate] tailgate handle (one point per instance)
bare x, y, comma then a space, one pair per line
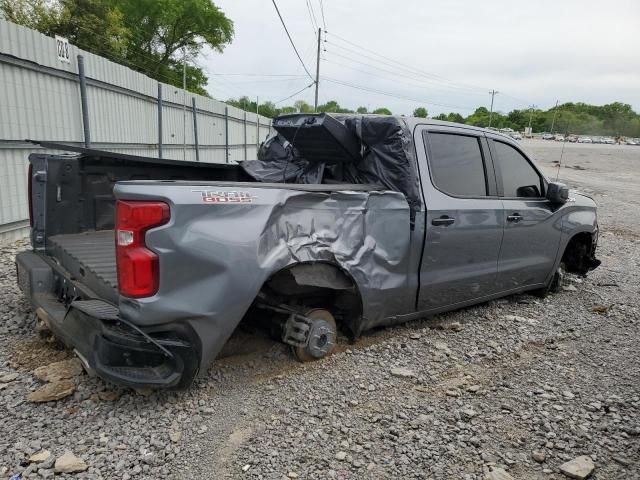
514, 217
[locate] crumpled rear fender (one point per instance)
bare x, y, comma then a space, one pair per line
215, 257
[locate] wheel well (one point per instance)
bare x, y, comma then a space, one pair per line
579, 253
318, 285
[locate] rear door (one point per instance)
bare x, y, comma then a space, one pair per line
532, 231
464, 220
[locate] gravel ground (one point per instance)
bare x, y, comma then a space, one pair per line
520, 384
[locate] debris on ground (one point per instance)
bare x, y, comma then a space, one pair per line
52, 391
578, 468
62, 370
69, 463
40, 457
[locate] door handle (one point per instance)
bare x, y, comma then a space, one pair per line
443, 221
514, 217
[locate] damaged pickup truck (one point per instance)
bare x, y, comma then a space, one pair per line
345, 222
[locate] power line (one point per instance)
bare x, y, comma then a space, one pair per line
313, 24
291, 40
313, 13
405, 66
294, 94
388, 94
257, 75
324, 24
421, 83
406, 70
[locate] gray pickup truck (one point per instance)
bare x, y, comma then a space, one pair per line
344, 223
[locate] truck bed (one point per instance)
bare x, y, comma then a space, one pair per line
90, 257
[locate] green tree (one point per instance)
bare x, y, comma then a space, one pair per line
332, 106
268, 109
150, 36
35, 14
382, 111
455, 117
302, 107
362, 110
420, 112
162, 29
96, 26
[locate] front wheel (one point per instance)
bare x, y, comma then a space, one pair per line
323, 335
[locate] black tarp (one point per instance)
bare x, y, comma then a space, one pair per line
387, 157
279, 162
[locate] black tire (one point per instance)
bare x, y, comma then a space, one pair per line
323, 336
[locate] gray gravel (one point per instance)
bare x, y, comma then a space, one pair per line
520, 384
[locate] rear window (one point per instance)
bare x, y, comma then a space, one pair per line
456, 164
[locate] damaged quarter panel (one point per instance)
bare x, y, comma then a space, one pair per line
216, 255
579, 215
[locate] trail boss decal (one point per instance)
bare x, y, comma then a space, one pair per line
212, 196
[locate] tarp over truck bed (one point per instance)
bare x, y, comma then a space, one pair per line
334, 148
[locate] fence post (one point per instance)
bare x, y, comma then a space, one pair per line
195, 128
83, 102
159, 120
245, 136
226, 134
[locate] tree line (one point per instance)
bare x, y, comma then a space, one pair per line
577, 118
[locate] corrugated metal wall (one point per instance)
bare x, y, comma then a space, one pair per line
40, 100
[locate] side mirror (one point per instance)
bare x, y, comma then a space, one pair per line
557, 192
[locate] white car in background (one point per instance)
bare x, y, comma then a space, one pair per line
608, 141
559, 138
515, 136
547, 136
584, 140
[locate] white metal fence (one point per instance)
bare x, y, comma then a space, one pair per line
40, 99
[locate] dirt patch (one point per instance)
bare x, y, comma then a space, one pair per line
235, 440
27, 355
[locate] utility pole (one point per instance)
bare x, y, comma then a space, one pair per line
315, 105
184, 103
257, 125
531, 117
555, 112
493, 94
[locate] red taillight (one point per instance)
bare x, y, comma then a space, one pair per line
30, 190
138, 269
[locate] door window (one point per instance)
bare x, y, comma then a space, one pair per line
519, 178
456, 164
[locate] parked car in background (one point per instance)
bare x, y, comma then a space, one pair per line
572, 138
584, 140
608, 141
547, 136
559, 138
596, 139
515, 136
629, 141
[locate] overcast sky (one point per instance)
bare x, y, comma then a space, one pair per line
449, 54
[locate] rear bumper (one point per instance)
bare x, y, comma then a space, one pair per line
166, 356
